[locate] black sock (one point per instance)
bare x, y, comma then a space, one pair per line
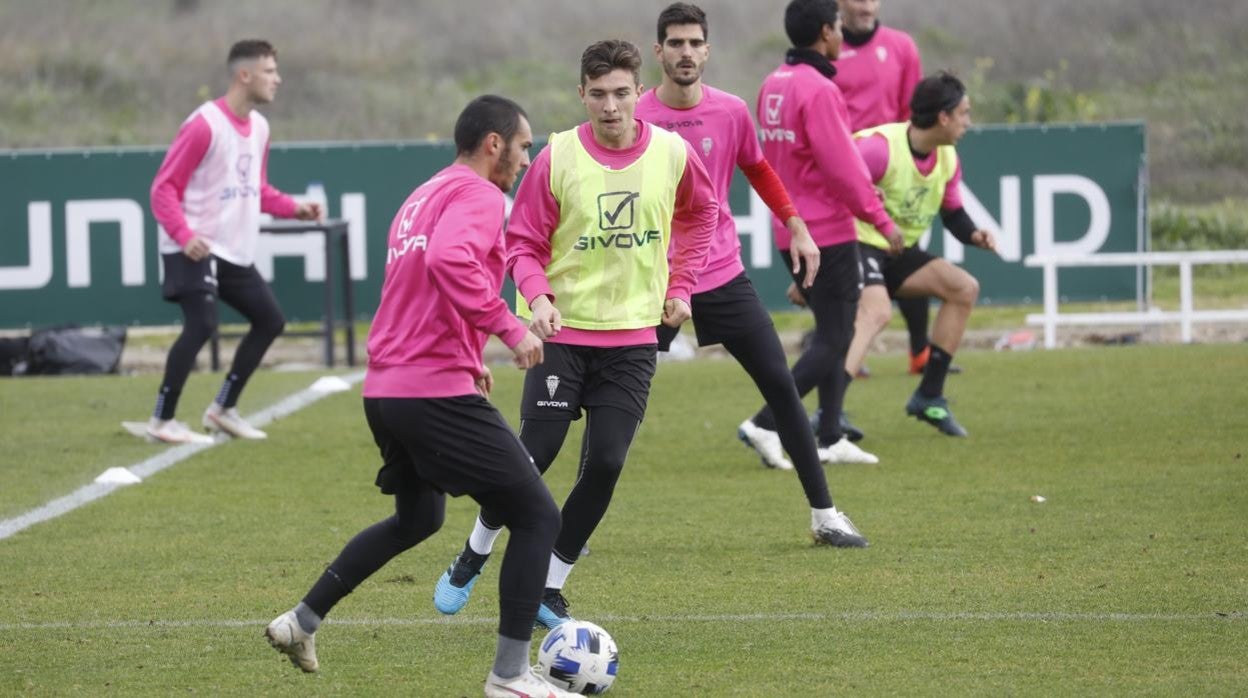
472, 558
915, 312
166, 402
933, 384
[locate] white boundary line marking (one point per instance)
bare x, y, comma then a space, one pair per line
165, 459
849, 616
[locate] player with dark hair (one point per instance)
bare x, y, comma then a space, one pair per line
806, 138
207, 197
916, 168
426, 390
588, 246
726, 308
877, 70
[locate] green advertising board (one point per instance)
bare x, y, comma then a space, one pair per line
79, 240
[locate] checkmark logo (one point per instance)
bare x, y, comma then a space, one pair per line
615, 210
773, 109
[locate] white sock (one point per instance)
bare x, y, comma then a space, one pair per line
558, 573
482, 539
818, 516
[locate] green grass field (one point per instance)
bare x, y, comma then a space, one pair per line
1131, 579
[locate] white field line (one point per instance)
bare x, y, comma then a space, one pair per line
165, 459
847, 617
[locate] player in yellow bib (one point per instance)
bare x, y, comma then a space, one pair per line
915, 167
587, 246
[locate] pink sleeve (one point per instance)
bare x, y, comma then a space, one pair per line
534, 217
911, 74
271, 200
953, 197
169, 186
841, 165
463, 236
874, 152
693, 225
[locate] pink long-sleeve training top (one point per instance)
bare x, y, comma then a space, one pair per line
878, 78
535, 215
720, 128
440, 299
806, 138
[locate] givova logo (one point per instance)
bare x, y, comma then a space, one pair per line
615, 210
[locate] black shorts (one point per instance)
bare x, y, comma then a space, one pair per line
881, 268
839, 277
458, 445
731, 310
185, 276
573, 377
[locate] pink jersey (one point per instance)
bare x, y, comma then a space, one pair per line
806, 139
878, 78
874, 150
722, 133
214, 183
440, 298
535, 216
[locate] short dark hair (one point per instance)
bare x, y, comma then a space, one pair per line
682, 13
942, 92
804, 20
250, 49
602, 57
485, 115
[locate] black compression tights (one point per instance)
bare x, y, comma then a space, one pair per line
250, 296
528, 512
608, 434
762, 357
822, 366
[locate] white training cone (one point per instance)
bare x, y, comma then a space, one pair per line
330, 384
118, 476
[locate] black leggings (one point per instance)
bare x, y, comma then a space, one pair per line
528, 512
608, 435
243, 289
762, 357
834, 302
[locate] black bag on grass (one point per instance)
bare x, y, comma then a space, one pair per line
76, 350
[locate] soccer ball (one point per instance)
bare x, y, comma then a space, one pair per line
579, 656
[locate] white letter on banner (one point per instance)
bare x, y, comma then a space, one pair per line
357, 228
757, 224
1047, 187
38, 272
1008, 232
79, 215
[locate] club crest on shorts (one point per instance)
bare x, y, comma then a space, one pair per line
552, 384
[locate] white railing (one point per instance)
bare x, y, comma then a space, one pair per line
1185, 316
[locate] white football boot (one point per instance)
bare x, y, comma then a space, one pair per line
530, 684
230, 422
285, 635
833, 527
171, 432
766, 443
845, 451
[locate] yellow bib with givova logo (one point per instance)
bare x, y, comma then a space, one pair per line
911, 199
608, 265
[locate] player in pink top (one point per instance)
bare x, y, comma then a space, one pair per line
726, 308
877, 70
806, 137
425, 394
613, 172
207, 197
